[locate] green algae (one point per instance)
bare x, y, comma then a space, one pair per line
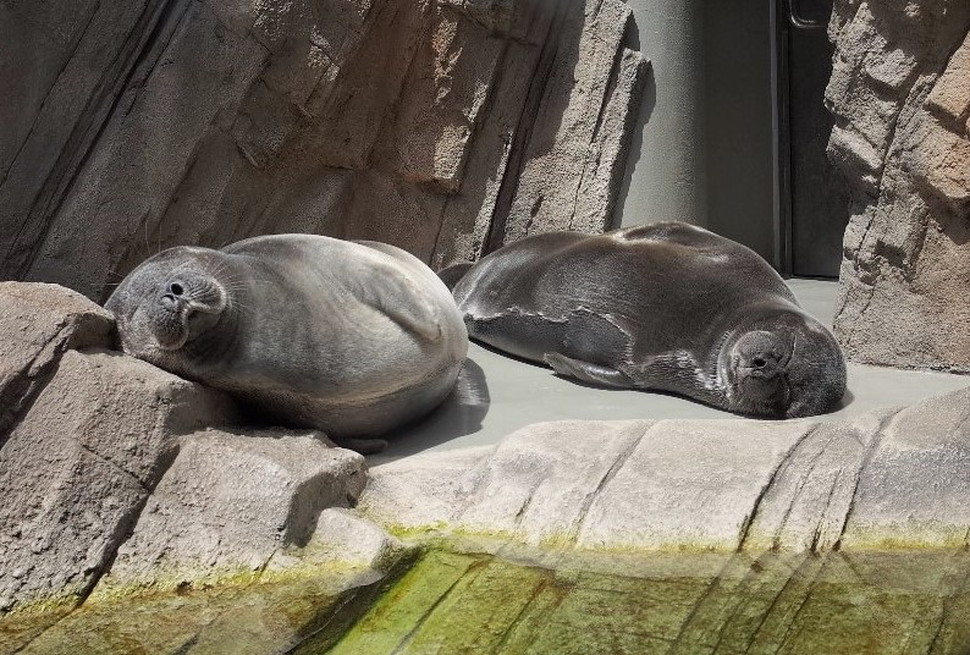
445, 599
917, 602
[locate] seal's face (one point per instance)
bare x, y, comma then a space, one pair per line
758, 372
167, 303
793, 369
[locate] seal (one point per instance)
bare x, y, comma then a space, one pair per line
353, 338
665, 307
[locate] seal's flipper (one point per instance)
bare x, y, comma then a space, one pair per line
404, 303
587, 372
395, 294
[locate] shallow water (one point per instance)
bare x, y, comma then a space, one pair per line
453, 602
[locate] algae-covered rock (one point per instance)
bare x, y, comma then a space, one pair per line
665, 603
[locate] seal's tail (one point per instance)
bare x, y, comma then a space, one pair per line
450, 275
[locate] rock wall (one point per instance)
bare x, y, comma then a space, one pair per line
900, 92
442, 126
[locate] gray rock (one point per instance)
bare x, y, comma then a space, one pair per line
890, 478
108, 211
901, 103
690, 484
229, 502
572, 162
80, 464
359, 548
38, 324
915, 484
539, 483
468, 216
425, 489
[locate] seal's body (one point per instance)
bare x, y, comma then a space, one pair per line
353, 338
668, 307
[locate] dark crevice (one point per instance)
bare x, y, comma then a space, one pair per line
522, 613
158, 42
874, 444
126, 525
31, 385
817, 534
612, 81
474, 570
114, 465
806, 560
738, 601
776, 542
121, 534
391, 115
591, 497
802, 604
783, 465
525, 505
441, 218
518, 151
695, 610
40, 112
326, 629
591, 164
947, 611
483, 113
123, 529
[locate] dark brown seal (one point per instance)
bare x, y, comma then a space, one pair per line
668, 307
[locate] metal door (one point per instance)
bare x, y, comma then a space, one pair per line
814, 207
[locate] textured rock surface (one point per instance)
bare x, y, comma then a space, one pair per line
229, 502
79, 466
437, 125
38, 324
898, 478
900, 94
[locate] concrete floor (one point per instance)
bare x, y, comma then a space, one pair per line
500, 394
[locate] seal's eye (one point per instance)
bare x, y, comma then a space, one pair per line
176, 289
758, 362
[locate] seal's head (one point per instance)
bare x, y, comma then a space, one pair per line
783, 366
166, 306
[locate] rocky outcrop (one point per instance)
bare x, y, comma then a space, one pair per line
39, 323
893, 479
443, 126
901, 101
229, 502
78, 467
108, 463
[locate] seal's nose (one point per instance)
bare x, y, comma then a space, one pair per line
173, 295
765, 365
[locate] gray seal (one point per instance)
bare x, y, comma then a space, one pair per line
353, 338
666, 307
